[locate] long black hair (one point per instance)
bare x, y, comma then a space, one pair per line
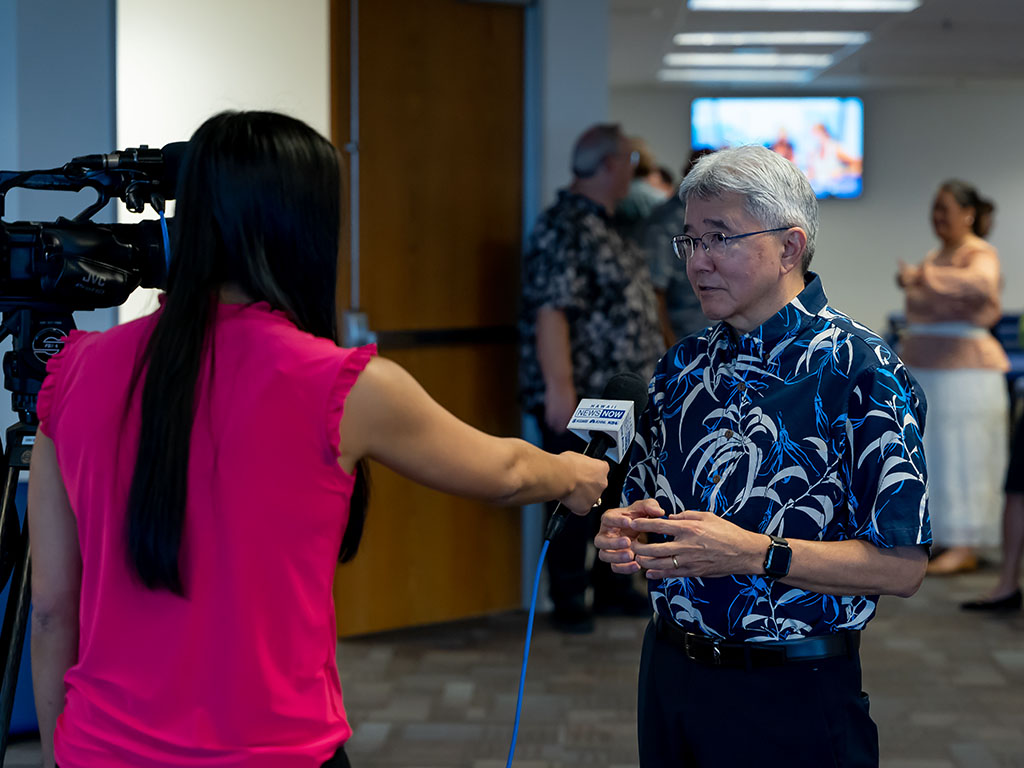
258, 207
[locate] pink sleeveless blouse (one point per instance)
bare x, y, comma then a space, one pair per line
241, 671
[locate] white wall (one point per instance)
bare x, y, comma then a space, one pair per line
913, 140
661, 116
179, 63
573, 82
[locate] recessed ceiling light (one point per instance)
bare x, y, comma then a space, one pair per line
816, 60
735, 75
771, 38
856, 6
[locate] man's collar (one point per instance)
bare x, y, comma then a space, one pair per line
577, 198
783, 324
788, 320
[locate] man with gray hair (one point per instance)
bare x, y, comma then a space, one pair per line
777, 488
588, 312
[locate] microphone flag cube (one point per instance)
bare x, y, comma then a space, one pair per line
612, 417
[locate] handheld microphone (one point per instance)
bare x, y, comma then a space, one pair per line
609, 422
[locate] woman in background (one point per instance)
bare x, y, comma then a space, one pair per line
952, 300
197, 473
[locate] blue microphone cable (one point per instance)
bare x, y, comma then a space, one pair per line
526, 652
622, 386
167, 239
156, 200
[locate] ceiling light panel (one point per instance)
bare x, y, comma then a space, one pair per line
816, 60
735, 75
849, 6
770, 38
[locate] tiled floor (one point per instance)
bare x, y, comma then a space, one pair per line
947, 690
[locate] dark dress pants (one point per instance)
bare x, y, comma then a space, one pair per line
568, 576
339, 760
810, 714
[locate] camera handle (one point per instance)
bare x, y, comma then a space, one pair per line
17, 456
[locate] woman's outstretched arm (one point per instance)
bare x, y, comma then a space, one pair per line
389, 417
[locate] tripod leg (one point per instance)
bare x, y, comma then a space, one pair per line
12, 640
12, 636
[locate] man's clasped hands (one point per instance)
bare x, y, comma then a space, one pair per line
688, 543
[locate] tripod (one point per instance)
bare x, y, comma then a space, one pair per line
37, 336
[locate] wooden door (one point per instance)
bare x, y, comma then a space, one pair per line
440, 141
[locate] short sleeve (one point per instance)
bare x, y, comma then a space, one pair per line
888, 483
355, 361
553, 276
51, 392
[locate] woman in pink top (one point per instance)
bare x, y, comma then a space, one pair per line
197, 473
952, 301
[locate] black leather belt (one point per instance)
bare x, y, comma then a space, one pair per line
712, 652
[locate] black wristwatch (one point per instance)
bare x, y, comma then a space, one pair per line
778, 558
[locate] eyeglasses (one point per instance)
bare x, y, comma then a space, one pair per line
714, 242
633, 157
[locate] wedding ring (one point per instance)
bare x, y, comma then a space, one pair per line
674, 561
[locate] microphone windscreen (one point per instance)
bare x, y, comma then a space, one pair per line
628, 386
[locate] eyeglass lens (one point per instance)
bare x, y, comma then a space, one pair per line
684, 245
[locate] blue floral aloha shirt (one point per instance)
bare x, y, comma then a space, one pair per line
808, 427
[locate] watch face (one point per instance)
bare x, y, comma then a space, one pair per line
777, 562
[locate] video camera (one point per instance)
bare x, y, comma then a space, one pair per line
50, 269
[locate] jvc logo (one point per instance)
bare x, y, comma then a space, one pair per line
94, 280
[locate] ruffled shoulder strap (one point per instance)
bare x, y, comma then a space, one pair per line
355, 361
57, 367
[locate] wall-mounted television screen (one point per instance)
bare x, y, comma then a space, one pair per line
824, 136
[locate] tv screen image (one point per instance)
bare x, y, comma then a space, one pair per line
824, 136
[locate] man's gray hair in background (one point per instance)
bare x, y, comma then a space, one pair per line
776, 192
593, 146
